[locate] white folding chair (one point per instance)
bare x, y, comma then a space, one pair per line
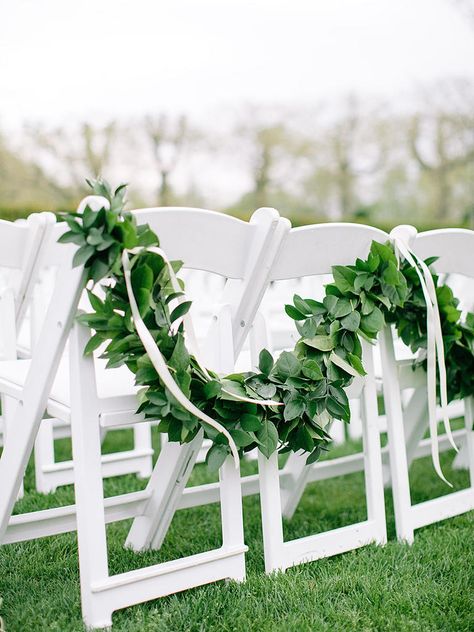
20, 244
247, 274
238, 250
307, 252
323, 251
454, 247
50, 473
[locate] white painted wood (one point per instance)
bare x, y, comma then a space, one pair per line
20, 245
310, 251
454, 248
100, 593
49, 473
29, 410
231, 322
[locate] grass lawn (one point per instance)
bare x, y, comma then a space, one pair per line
428, 586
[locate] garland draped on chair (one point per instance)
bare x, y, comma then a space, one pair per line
288, 403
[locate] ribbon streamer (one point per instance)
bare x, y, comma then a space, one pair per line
435, 348
190, 334
159, 362
161, 367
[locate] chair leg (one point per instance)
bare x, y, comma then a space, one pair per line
167, 482
231, 513
396, 440
142, 441
373, 472
292, 491
271, 509
9, 407
44, 456
86, 445
469, 422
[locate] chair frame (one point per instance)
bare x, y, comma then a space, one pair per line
278, 554
101, 593
454, 248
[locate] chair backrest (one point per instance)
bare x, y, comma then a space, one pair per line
312, 250
242, 252
302, 266
20, 244
453, 246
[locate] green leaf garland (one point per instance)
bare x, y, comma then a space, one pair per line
310, 380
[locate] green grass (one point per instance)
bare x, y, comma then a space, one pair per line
428, 586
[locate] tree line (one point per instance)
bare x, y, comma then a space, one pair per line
341, 160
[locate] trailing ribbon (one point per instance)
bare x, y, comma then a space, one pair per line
435, 347
160, 365
159, 362
190, 334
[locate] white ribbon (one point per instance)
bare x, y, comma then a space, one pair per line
159, 362
190, 334
435, 346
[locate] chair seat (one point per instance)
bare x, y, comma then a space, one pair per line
111, 383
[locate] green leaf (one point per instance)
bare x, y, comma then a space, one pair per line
373, 261
216, 456
95, 302
250, 423
294, 408
265, 362
267, 437
262, 387
314, 456
233, 388
287, 365
142, 278
322, 343
383, 251
72, 238
317, 308
342, 308
212, 389
82, 255
391, 275
294, 313
344, 278
337, 410
307, 329
367, 305
312, 370
180, 310
98, 270
301, 305
242, 439
304, 440
373, 322
93, 343
330, 302
351, 322
356, 363
180, 357
342, 364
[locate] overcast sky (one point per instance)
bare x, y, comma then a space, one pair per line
68, 60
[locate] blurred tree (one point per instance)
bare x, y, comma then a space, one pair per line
272, 153
168, 139
24, 186
443, 149
76, 153
352, 146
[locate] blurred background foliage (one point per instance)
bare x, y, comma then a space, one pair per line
350, 160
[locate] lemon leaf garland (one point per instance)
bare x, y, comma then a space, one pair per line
309, 381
